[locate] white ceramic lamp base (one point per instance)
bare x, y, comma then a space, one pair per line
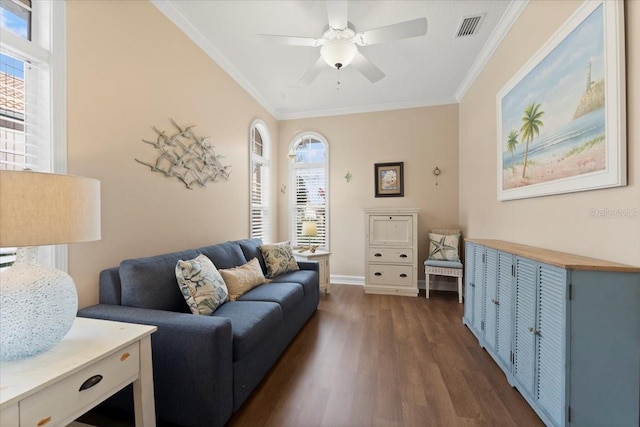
37, 307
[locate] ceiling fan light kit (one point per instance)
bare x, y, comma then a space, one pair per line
338, 53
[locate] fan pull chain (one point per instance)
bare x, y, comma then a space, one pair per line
338, 79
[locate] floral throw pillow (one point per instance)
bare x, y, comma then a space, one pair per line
242, 279
279, 258
444, 247
201, 285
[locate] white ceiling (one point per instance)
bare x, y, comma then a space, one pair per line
433, 69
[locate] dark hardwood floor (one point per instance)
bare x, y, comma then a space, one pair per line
377, 360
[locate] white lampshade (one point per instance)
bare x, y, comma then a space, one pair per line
338, 52
309, 228
38, 304
47, 209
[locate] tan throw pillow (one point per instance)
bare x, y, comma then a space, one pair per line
241, 280
278, 258
201, 285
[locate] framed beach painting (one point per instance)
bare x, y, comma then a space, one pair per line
562, 117
389, 179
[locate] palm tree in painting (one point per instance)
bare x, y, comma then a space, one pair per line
512, 141
531, 125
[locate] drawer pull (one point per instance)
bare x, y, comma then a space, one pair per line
377, 274
403, 275
377, 255
125, 356
44, 421
403, 255
90, 382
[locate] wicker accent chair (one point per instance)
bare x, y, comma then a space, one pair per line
444, 268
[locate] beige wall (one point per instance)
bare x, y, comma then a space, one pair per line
130, 68
422, 138
561, 222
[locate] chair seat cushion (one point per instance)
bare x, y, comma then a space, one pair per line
288, 295
443, 264
251, 323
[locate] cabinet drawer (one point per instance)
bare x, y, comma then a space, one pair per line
399, 275
401, 255
45, 408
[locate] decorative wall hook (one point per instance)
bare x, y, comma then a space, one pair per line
437, 173
348, 176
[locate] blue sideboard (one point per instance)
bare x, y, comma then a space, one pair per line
565, 329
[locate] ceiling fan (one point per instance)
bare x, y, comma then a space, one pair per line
339, 42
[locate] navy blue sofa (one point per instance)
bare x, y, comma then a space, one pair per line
205, 367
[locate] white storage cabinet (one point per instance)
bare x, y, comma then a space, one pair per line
391, 251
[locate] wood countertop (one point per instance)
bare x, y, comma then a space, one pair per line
559, 259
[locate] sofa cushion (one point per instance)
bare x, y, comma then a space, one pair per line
251, 249
288, 295
307, 278
224, 255
279, 258
242, 279
201, 284
150, 282
251, 323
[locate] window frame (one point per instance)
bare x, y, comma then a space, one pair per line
47, 49
260, 126
292, 204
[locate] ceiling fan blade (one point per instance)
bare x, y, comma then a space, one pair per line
366, 67
337, 10
402, 30
312, 72
289, 40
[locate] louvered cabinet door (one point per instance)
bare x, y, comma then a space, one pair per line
550, 330
525, 323
489, 300
478, 282
469, 266
504, 305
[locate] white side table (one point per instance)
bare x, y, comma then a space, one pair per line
96, 359
323, 259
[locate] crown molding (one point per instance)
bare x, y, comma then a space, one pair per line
507, 20
372, 108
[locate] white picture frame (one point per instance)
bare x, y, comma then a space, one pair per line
536, 129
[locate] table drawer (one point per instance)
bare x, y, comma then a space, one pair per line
63, 401
403, 255
399, 275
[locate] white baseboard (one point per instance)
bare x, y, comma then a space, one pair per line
438, 284
347, 280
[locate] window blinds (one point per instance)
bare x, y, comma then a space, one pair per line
260, 226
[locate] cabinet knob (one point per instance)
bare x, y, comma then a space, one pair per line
403, 255
377, 274
403, 275
377, 255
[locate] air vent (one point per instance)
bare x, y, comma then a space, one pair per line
469, 25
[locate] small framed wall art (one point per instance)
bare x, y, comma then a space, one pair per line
389, 179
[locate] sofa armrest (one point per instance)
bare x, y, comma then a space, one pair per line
192, 362
309, 265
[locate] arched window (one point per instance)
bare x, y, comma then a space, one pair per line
260, 181
309, 181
